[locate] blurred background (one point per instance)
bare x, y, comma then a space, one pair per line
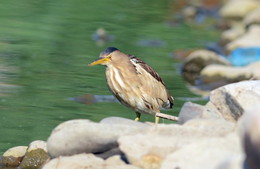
45, 47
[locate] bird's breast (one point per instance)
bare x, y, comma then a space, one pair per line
124, 85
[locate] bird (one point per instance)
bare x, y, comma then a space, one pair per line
134, 83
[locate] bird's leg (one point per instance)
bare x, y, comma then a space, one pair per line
138, 115
157, 119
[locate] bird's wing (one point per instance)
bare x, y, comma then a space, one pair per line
146, 67
154, 74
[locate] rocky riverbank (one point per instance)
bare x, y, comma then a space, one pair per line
235, 57
222, 134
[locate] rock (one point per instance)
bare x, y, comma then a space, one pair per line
196, 61
80, 161
84, 136
89, 161
18, 151
9, 161
217, 73
219, 126
230, 101
233, 162
209, 153
38, 144
189, 111
13, 156
231, 34
254, 68
123, 121
211, 112
36, 156
251, 136
227, 74
115, 162
148, 150
252, 18
238, 9
109, 153
249, 39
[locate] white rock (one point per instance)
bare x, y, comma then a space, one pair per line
232, 34
216, 73
233, 162
189, 111
86, 161
80, 161
253, 17
18, 151
208, 153
148, 150
238, 8
37, 144
84, 136
249, 39
231, 100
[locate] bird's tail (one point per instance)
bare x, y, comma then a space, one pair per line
169, 103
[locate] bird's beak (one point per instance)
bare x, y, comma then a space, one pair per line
99, 61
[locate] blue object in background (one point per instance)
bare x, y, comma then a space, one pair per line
244, 56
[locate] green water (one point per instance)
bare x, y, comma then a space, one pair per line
45, 47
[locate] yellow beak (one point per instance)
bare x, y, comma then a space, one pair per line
99, 61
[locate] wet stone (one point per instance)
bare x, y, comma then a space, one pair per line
34, 159
9, 162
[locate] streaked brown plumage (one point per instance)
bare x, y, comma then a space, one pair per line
134, 83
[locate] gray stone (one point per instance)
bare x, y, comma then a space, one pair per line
87, 161
84, 136
231, 100
189, 111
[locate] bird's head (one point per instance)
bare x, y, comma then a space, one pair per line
105, 57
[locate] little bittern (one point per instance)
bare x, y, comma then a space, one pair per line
134, 83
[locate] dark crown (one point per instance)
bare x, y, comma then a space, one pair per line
108, 50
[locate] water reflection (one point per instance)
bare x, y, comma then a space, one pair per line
6, 86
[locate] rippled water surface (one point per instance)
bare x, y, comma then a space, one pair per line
45, 47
